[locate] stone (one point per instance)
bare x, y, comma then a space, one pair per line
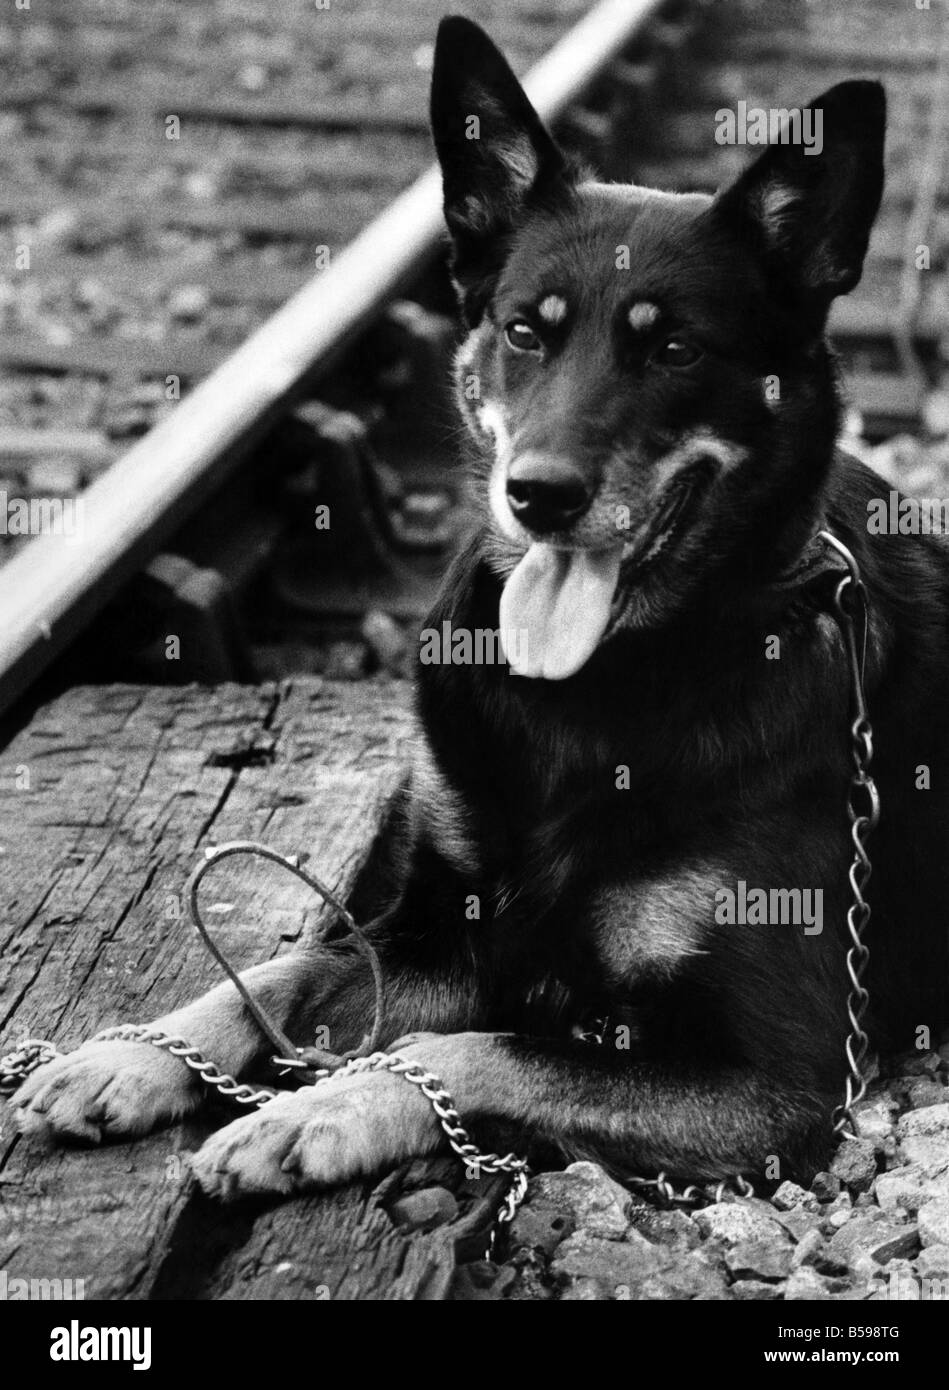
934, 1222
541, 1225
731, 1222
673, 1229
789, 1195
748, 1290
686, 1278
933, 1261
189, 303
876, 1123
633, 1269
585, 1291
855, 1164
806, 1284
923, 1091
826, 1186
875, 1234
612, 1264
923, 1137
895, 1243
808, 1250
920, 1064
798, 1222
842, 1202
57, 477
759, 1259
909, 1188
598, 1204
865, 1268
934, 1121
826, 1263
530, 1283
424, 1210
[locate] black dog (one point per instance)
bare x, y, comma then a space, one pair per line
639, 817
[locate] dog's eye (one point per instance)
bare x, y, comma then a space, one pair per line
676, 352
521, 337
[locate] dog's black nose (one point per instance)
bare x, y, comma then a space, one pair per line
547, 494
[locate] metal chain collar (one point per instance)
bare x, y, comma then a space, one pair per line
851, 613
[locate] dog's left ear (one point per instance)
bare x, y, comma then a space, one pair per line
808, 209
496, 156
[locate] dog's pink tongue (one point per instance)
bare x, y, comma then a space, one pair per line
555, 608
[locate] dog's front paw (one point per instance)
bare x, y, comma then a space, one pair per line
104, 1089
319, 1136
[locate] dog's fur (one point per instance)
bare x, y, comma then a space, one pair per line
595, 899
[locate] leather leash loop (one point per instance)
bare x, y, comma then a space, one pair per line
286, 1054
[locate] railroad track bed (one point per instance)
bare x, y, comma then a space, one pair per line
161, 260
151, 259
175, 172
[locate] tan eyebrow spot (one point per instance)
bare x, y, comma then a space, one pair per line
553, 309
642, 316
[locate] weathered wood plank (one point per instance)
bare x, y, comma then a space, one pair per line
106, 799
339, 1246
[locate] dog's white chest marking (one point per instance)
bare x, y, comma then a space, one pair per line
649, 927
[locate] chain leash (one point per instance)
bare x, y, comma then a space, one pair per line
33, 1052
851, 610
458, 1137
851, 613
17, 1065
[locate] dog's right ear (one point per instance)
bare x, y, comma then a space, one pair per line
807, 212
497, 158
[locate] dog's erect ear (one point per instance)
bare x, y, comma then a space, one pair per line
495, 154
807, 206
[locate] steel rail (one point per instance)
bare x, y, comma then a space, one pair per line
56, 584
